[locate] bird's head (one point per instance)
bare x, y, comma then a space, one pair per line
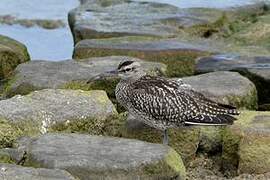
129, 69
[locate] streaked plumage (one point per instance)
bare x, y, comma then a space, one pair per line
163, 103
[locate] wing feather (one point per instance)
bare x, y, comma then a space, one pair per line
174, 102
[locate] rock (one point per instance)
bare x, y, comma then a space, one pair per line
257, 69
185, 141
12, 53
225, 87
97, 157
39, 111
15, 172
178, 56
103, 19
36, 75
246, 144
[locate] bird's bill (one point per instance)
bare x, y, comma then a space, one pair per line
103, 75
112, 72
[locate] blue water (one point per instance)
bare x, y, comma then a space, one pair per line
42, 44
53, 45
38, 9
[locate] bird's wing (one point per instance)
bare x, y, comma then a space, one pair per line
172, 102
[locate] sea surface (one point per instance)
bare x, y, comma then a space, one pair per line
45, 44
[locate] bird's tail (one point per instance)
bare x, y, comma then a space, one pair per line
214, 114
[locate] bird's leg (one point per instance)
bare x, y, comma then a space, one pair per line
165, 137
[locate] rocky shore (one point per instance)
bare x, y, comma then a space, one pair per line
60, 120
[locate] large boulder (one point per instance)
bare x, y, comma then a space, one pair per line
12, 53
246, 144
225, 87
36, 75
103, 19
15, 172
257, 69
97, 157
39, 111
178, 56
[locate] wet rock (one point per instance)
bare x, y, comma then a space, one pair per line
104, 19
37, 112
98, 157
178, 56
36, 75
257, 69
246, 144
12, 53
225, 87
14, 172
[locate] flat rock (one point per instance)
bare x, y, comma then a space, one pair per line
14, 172
97, 157
246, 144
225, 87
178, 56
257, 69
12, 53
36, 75
42, 109
102, 19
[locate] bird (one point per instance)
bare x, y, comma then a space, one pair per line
164, 103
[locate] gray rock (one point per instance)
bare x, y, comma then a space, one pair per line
14, 172
102, 19
42, 109
36, 75
12, 53
97, 157
257, 69
225, 87
178, 56
136, 44
246, 144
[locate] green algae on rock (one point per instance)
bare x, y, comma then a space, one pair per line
40, 110
246, 144
12, 53
178, 56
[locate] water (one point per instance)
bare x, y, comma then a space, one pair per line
53, 45
42, 44
38, 9
205, 3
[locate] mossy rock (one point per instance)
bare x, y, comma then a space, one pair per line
10, 132
246, 144
12, 53
179, 57
184, 141
149, 161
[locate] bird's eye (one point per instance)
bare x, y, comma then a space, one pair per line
128, 69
